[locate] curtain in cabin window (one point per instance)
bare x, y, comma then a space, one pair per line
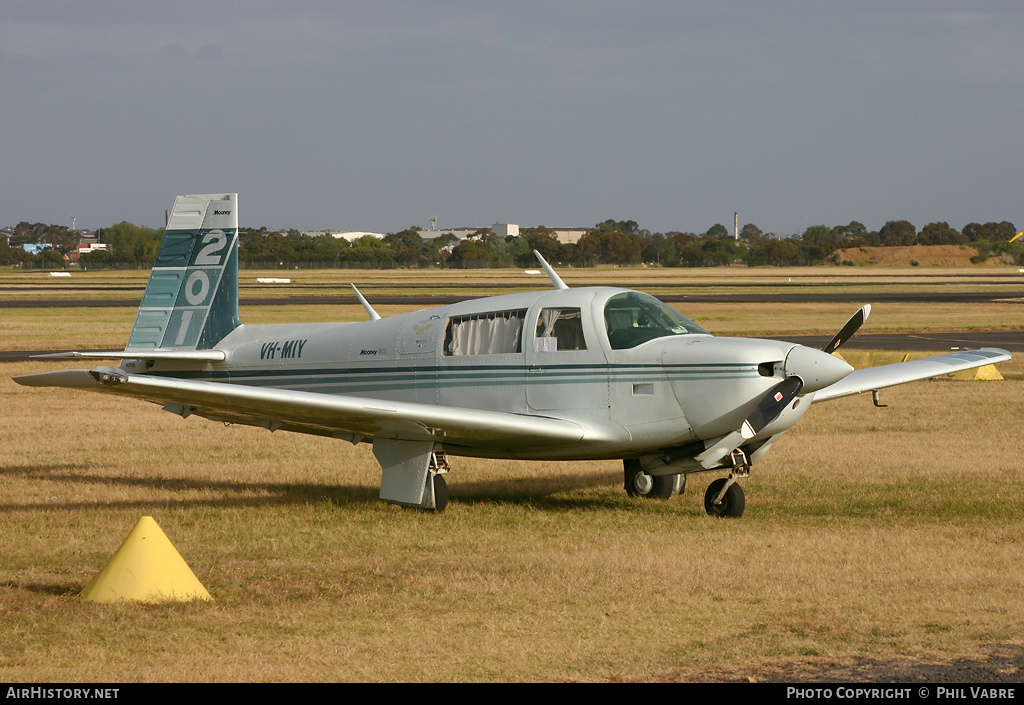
485, 333
559, 329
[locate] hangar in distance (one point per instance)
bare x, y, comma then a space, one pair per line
560, 374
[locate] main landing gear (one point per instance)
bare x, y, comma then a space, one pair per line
413, 473
439, 467
640, 484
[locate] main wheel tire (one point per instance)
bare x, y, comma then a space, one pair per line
732, 504
440, 494
640, 484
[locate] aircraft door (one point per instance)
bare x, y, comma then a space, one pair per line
418, 344
565, 366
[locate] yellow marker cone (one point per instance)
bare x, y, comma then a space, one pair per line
146, 568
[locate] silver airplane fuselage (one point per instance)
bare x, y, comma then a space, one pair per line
660, 393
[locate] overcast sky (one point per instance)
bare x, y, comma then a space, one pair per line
376, 115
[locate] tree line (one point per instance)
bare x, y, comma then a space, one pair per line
610, 242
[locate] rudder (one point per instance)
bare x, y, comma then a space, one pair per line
191, 300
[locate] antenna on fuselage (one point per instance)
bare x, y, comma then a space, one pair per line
374, 316
552, 275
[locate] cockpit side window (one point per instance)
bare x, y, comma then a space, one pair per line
633, 318
559, 329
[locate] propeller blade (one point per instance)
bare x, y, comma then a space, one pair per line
847, 331
771, 405
768, 409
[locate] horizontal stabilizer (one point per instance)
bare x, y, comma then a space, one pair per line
874, 378
68, 379
182, 355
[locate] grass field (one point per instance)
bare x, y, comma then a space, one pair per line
885, 533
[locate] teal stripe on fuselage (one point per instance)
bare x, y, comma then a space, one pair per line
236, 375
363, 380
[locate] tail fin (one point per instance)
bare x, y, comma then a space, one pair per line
191, 300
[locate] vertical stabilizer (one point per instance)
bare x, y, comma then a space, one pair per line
191, 300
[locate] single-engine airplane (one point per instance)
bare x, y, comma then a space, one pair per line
562, 374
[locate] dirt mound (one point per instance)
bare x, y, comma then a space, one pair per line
913, 255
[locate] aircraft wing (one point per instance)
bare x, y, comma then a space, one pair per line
346, 417
873, 378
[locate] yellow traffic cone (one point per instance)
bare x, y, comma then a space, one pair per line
146, 568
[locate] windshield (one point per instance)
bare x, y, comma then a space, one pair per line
633, 318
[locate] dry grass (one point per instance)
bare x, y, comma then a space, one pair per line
868, 532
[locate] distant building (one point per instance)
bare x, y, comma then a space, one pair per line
567, 236
501, 230
504, 230
87, 247
350, 236
570, 236
460, 233
355, 235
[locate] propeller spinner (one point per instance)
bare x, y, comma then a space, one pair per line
807, 370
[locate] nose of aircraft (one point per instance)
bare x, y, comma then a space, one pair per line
817, 369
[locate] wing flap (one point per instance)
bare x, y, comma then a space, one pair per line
324, 414
873, 378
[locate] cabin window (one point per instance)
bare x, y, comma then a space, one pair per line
491, 333
634, 318
559, 329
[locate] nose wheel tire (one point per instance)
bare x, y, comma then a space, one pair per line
732, 503
640, 484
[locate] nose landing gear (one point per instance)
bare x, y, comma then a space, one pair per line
724, 497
